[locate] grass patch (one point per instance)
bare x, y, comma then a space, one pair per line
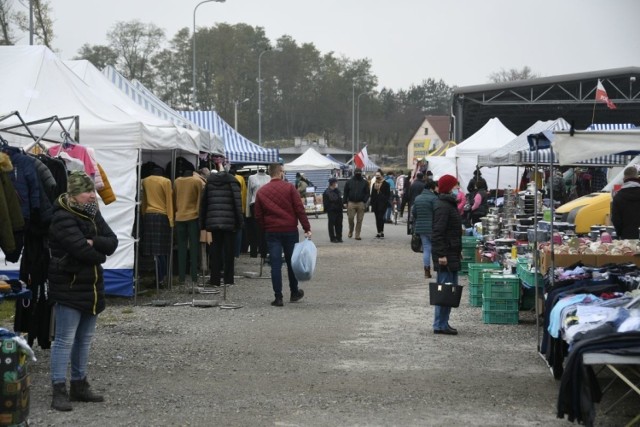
7, 310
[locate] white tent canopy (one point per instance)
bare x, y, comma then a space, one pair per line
492, 136
509, 154
584, 145
34, 82
312, 160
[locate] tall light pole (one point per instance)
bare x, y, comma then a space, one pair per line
235, 112
269, 49
193, 82
353, 125
358, 122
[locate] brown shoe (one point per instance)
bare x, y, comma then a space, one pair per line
358, 238
427, 272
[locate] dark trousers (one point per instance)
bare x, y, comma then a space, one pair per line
379, 213
335, 225
278, 243
222, 251
255, 235
188, 235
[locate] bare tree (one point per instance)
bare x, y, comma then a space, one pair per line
135, 44
43, 24
6, 37
513, 74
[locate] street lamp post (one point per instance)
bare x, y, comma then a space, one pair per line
235, 112
358, 122
277, 49
194, 90
353, 125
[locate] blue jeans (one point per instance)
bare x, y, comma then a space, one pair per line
441, 318
426, 249
276, 243
74, 331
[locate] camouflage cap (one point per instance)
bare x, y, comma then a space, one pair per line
79, 182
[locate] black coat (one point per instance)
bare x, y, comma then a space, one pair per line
75, 274
356, 190
416, 188
332, 200
446, 236
624, 211
380, 199
221, 205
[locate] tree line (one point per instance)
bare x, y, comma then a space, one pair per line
305, 93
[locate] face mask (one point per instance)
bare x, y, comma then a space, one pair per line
455, 191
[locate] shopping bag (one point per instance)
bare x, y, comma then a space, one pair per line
445, 294
416, 243
303, 260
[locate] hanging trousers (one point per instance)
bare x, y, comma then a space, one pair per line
188, 236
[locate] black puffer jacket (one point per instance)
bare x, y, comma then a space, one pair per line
625, 208
221, 205
75, 274
446, 237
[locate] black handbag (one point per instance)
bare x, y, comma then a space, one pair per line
445, 294
416, 243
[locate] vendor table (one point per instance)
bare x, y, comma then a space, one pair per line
623, 367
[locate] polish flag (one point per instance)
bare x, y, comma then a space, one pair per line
361, 159
601, 95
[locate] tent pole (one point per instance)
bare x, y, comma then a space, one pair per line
497, 185
173, 180
535, 244
136, 250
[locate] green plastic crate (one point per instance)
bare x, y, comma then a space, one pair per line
475, 301
500, 317
475, 290
529, 278
469, 240
476, 270
528, 299
500, 304
502, 286
464, 267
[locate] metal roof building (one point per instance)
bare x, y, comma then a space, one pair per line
519, 104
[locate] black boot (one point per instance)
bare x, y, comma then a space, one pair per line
427, 272
60, 401
81, 392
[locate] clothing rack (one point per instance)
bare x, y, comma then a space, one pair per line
50, 121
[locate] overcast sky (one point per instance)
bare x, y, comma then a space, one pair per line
407, 41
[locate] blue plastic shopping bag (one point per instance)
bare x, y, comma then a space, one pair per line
303, 260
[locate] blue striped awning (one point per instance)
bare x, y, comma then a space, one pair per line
238, 149
611, 126
319, 178
154, 105
544, 156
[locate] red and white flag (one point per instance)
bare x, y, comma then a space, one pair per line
361, 159
601, 95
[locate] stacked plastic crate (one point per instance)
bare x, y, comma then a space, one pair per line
469, 245
476, 271
500, 298
529, 282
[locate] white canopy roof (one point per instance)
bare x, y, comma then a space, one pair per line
585, 145
508, 154
36, 83
312, 160
492, 136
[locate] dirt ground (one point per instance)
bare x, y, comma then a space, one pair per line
358, 350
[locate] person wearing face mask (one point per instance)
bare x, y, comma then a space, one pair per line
354, 198
80, 241
380, 194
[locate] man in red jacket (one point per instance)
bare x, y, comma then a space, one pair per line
278, 209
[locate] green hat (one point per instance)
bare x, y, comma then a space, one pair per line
79, 182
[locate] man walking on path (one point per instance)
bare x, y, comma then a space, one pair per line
278, 209
356, 195
332, 201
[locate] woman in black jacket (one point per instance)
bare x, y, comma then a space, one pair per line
380, 197
446, 247
80, 241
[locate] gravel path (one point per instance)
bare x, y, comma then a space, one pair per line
357, 350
